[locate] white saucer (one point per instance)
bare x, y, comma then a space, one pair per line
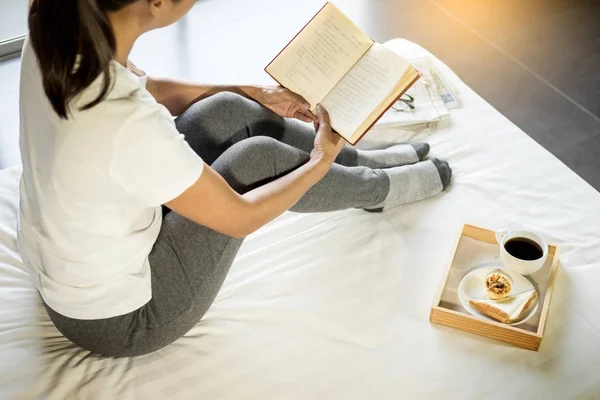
472, 287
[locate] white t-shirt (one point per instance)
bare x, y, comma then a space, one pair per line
91, 192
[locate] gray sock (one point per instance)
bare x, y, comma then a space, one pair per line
444, 171
411, 183
394, 156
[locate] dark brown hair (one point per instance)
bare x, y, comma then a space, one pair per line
74, 43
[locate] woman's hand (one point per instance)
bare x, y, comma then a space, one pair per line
284, 102
328, 143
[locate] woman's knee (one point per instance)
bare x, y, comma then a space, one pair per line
257, 146
256, 152
217, 106
255, 160
223, 115
228, 106
229, 102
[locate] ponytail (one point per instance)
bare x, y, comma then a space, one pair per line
74, 44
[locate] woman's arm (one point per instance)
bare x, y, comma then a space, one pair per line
213, 203
178, 96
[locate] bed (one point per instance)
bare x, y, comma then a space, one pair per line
336, 305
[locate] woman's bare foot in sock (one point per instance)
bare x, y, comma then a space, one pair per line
394, 156
444, 170
411, 183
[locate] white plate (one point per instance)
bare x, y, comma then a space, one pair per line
472, 287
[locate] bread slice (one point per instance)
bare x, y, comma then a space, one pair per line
506, 310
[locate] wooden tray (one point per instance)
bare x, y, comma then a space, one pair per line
476, 246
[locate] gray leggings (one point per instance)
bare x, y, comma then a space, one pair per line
249, 146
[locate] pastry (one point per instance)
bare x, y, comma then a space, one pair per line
508, 310
498, 285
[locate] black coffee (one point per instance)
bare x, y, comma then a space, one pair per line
524, 249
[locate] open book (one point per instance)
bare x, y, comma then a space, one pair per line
333, 62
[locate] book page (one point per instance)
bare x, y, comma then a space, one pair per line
364, 88
404, 84
322, 53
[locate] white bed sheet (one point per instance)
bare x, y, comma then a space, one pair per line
336, 305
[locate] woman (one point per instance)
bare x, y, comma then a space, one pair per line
101, 154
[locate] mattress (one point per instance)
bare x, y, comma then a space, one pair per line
336, 305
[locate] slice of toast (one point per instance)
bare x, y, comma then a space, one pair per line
507, 310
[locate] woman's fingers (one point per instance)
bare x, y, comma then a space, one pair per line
303, 105
303, 117
301, 101
322, 116
309, 115
327, 142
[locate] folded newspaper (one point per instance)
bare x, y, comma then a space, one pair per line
433, 98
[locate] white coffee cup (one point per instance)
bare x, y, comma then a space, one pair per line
524, 267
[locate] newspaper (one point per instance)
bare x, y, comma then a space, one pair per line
433, 98
447, 92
